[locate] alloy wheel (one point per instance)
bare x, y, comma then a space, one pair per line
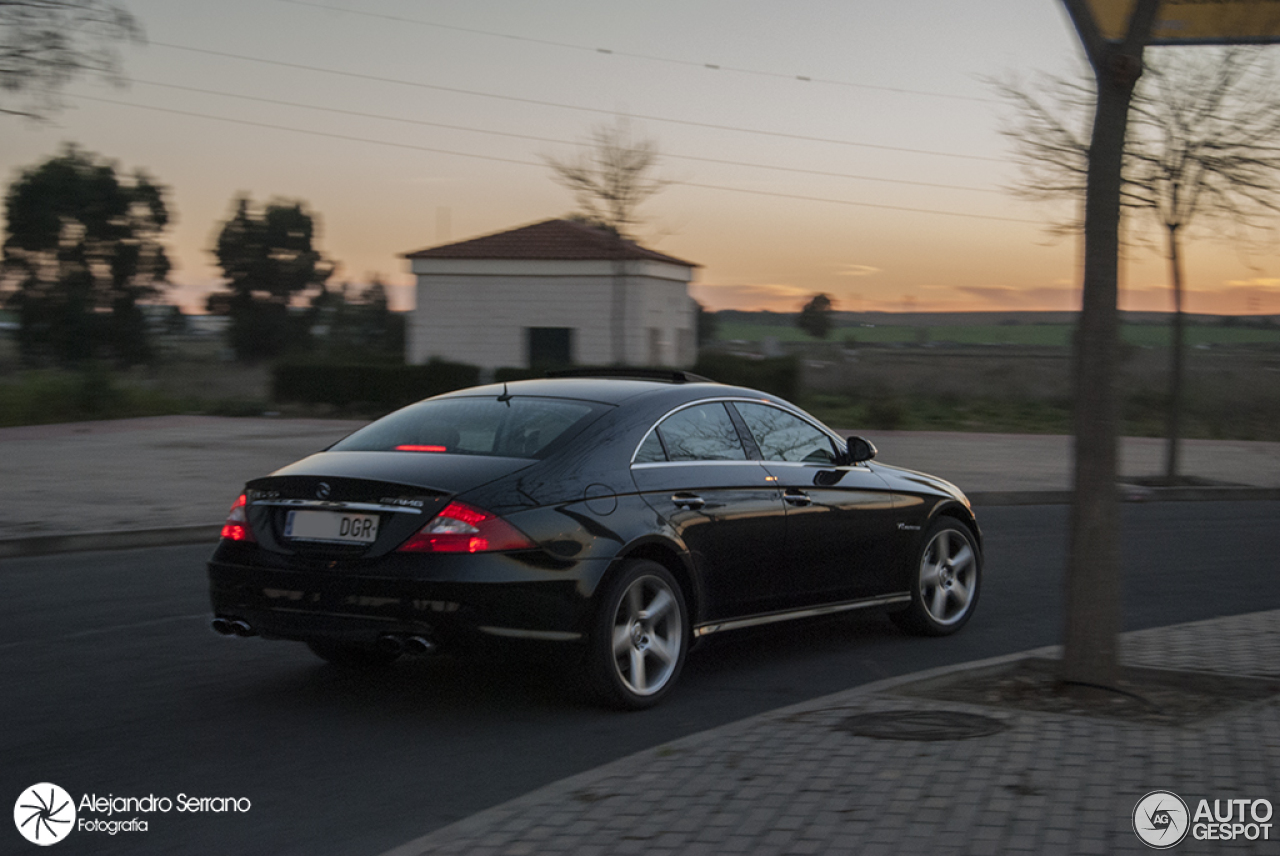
648, 634
948, 577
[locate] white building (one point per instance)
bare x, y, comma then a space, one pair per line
553, 293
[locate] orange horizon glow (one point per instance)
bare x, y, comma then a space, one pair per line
1243, 300
790, 169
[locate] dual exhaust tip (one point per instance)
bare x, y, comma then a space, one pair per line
232, 627
388, 643
391, 643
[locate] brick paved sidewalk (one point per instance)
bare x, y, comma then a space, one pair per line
789, 782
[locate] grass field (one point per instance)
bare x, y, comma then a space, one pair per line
1024, 387
1038, 335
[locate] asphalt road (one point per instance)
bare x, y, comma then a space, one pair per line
113, 685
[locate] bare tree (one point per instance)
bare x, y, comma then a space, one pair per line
1201, 148
611, 176
46, 43
1206, 150
1091, 626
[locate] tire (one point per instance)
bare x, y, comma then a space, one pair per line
347, 655
640, 636
945, 583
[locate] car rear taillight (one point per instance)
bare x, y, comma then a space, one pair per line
463, 528
237, 526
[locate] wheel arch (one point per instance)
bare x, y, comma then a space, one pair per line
960, 513
672, 558
944, 508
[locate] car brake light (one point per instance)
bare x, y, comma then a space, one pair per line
237, 526
411, 448
463, 528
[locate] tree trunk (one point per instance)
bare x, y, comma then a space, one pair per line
1173, 416
1093, 609
618, 302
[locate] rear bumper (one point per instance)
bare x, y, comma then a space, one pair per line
455, 601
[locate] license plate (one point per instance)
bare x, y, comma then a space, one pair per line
332, 526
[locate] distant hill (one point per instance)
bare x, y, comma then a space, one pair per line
976, 319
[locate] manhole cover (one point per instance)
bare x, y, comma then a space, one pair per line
921, 725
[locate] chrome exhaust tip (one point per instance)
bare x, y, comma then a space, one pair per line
389, 644
242, 628
222, 626
419, 645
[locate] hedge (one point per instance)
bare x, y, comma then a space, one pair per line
778, 375
382, 387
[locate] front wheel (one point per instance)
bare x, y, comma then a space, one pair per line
944, 589
639, 638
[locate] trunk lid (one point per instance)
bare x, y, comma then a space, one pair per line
360, 505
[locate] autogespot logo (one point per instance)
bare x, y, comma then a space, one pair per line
1160, 819
44, 814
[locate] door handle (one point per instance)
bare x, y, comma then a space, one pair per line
797, 497
690, 501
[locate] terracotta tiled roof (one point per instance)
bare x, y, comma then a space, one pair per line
550, 240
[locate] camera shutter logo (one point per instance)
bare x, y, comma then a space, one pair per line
44, 814
1161, 819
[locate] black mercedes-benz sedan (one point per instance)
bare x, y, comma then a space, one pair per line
619, 518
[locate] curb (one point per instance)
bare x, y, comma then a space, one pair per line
1130, 493
489, 816
1223, 493
126, 539
1019, 497
119, 539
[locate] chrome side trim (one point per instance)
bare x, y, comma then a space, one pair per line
655, 464
545, 635
792, 409
686, 406
328, 505
792, 614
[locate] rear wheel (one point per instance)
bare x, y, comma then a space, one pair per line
349, 655
944, 589
640, 637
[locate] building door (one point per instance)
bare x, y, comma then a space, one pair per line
550, 347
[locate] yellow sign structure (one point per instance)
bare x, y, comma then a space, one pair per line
1195, 22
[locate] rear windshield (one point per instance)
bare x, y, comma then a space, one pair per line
519, 428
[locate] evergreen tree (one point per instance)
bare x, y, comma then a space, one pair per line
269, 261
81, 250
815, 318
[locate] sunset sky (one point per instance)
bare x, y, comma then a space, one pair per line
839, 146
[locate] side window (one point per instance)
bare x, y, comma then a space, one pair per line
651, 450
702, 433
783, 436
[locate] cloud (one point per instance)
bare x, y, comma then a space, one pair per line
1008, 297
776, 297
857, 270
1263, 282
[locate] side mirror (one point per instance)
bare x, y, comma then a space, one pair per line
860, 450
